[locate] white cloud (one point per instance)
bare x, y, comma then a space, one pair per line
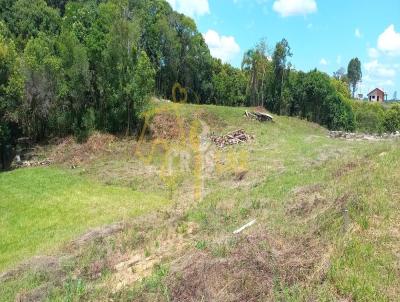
221, 47
370, 83
192, 8
358, 33
389, 41
378, 75
323, 62
288, 8
373, 53
376, 69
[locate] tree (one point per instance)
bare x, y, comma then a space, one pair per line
341, 87
10, 99
256, 66
60, 4
316, 99
340, 74
354, 74
42, 72
391, 120
229, 85
29, 17
119, 59
143, 85
73, 87
281, 70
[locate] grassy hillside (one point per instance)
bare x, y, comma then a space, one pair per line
42, 208
326, 215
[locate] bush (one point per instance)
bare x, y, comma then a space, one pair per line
317, 99
368, 116
340, 114
87, 126
391, 121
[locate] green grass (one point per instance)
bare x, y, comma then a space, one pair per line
42, 208
284, 157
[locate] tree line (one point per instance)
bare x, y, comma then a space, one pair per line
73, 66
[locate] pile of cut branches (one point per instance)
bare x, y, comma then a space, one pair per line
232, 138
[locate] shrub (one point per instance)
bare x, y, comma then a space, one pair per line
317, 99
391, 121
368, 116
340, 113
87, 126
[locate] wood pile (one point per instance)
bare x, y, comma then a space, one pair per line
232, 138
259, 116
32, 163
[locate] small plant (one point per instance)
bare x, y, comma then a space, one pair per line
201, 245
155, 281
74, 289
244, 212
220, 250
255, 204
182, 228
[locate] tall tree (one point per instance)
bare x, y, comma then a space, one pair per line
281, 69
10, 98
354, 74
257, 65
41, 71
29, 17
118, 67
74, 86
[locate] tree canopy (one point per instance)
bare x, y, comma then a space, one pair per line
70, 67
354, 74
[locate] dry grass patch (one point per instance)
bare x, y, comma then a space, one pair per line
70, 152
306, 199
250, 271
167, 126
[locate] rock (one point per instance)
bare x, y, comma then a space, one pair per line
363, 136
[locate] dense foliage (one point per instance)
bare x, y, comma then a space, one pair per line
354, 74
70, 67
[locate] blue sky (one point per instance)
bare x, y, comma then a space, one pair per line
323, 34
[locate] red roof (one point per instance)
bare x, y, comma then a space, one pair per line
376, 90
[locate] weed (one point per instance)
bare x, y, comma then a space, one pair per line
201, 245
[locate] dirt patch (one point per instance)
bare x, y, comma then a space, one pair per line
240, 175
38, 264
138, 265
69, 151
36, 295
347, 168
306, 200
167, 126
249, 272
98, 233
212, 119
